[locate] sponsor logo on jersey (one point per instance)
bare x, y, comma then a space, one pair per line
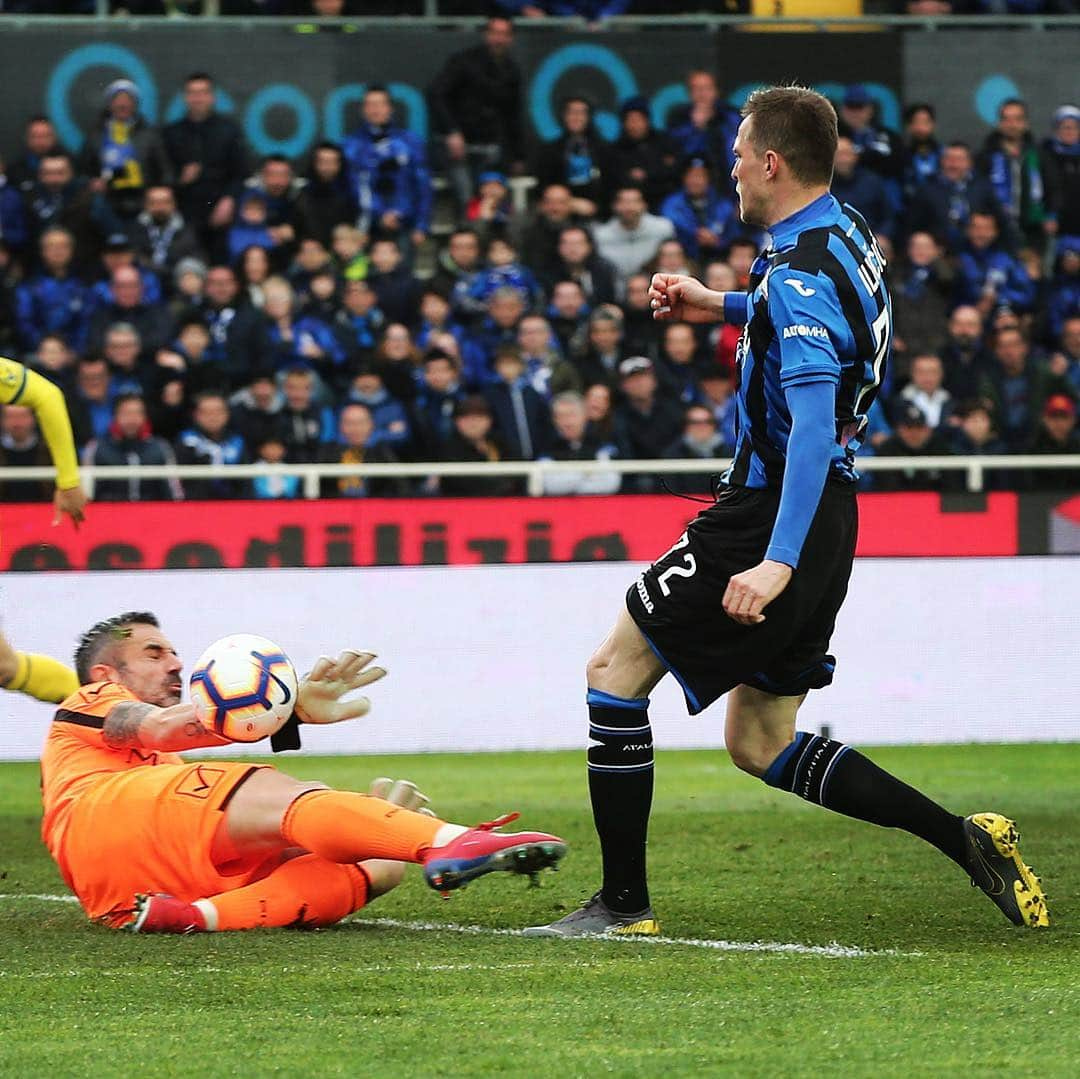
643, 592
799, 287
804, 331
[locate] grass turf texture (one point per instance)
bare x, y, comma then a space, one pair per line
730, 859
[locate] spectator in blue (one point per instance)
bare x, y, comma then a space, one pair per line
522, 418
13, 226
491, 209
280, 189
592, 11
922, 151
880, 149
718, 395
433, 409
120, 252
568, 313
944, 203
437, 318
301, 339
1010, 161
389, 173
1065, 362
458, 263
305, 425
679, 363
987, 276
388, 414
705, 221
236, 328
502, 270
152, 321
269, 452
124, 155
54, 300
644, 157
1016, 386
505, 309
398, 291
358, 444
210, 440
360, 321
579, 159
706, 127
1061, 173
251, 227
1064, 299
548, 372
858, 186
90, 403
60, 198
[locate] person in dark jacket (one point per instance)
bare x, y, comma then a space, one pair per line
579, 262
540, 240
433, 408
256, 410
237, 341
397, 290
1061, 173
914, 437
208, 157
130, 442
60, 199
472, 441
604, 348
357, 445
476, 107
643, 157
1016, 385
944, 203
14, 228
647, 422
1010, 161
880, 149
124, 154
39, 140
921, 290
160, 236
522, 418
1057, 434
701, 440
922, 151
861, 187
21, 446
580, 159
54, 300
211, 440
152, 321
325, 200
305, 426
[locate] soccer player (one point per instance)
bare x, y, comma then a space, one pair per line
745, 600
152, 844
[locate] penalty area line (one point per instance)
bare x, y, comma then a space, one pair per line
824, 951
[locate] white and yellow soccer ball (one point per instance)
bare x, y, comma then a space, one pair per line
245, 687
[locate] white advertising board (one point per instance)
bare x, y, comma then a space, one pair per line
492, 657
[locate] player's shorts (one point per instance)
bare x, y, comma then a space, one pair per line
151, 830
677, 602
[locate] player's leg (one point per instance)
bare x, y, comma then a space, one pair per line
761, 737
37, 676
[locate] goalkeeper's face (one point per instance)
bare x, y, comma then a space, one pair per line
146, 663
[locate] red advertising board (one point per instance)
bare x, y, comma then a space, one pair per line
398, 532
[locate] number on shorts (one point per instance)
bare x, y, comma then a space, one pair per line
677, 571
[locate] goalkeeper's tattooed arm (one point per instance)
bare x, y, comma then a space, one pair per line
145, 726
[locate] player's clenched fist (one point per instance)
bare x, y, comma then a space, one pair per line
319, 699
750, 592
677, 298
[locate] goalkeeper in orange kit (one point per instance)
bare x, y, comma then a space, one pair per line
150, 843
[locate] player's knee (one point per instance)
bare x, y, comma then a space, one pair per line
752, 755
597, 668
383, 876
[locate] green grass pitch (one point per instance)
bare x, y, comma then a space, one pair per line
944, 985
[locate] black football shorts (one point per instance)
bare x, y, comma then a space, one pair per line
677, 601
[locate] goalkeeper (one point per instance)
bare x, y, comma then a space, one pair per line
152, 844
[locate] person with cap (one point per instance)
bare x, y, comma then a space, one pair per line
1061, 173
388, 173
579, 158
644, 157
118, 251
880, 150
160, 237
476, 103
1057, 434
705, 127
124, 154
209, 160
914, 437
705, 221
1010, 161
647, 421
631, 238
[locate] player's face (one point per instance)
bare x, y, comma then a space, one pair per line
749, 176
148, 665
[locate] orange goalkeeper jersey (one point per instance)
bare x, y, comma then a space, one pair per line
75, 755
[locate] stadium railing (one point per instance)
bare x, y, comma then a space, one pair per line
974, 469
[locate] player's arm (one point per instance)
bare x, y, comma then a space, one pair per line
678, 298
21, 386
807, 307
139, 725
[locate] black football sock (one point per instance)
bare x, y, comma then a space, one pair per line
840, 778
621, 789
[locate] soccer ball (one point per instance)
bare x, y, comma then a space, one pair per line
245, 686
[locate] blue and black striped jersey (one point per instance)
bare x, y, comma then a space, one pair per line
818, 310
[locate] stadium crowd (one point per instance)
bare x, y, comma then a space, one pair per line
197, 306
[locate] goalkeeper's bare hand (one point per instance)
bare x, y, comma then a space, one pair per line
321, 693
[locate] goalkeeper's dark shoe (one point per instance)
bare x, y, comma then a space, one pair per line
995, 865
482, 850
159, 913
595, 919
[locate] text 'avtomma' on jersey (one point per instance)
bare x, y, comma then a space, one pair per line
818, 310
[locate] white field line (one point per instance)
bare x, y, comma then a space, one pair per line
824, 951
